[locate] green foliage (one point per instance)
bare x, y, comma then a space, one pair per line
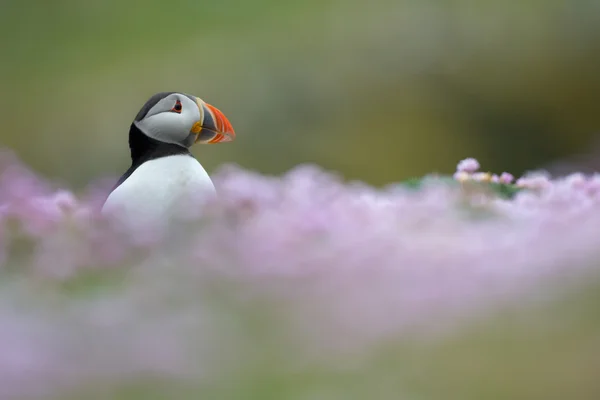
506, 191
94, 282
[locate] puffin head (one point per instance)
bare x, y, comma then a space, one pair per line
182, 119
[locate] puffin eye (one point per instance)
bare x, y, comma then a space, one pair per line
177, 107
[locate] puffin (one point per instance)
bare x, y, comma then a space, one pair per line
165, 182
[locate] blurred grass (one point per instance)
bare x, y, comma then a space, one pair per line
538, 350
379, 90
547, 351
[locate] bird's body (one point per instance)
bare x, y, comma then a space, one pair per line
163, 189
165, 183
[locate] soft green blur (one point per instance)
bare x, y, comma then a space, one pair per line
536, 350
379, 90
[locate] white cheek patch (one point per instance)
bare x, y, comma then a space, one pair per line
161, 106
190, 112
167, 126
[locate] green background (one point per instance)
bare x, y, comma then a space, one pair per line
378, 90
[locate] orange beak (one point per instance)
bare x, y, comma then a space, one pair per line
213, 127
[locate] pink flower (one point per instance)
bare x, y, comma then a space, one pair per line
534, 181
506, 178
338, 267
462, 176
468, 165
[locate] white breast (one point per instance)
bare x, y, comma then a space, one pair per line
160, 191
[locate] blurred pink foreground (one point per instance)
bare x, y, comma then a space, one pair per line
349, 265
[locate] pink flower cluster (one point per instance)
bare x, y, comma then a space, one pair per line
347, 265
468, 169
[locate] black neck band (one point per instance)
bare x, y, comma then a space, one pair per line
143, 148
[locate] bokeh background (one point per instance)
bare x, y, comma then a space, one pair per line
378, 90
